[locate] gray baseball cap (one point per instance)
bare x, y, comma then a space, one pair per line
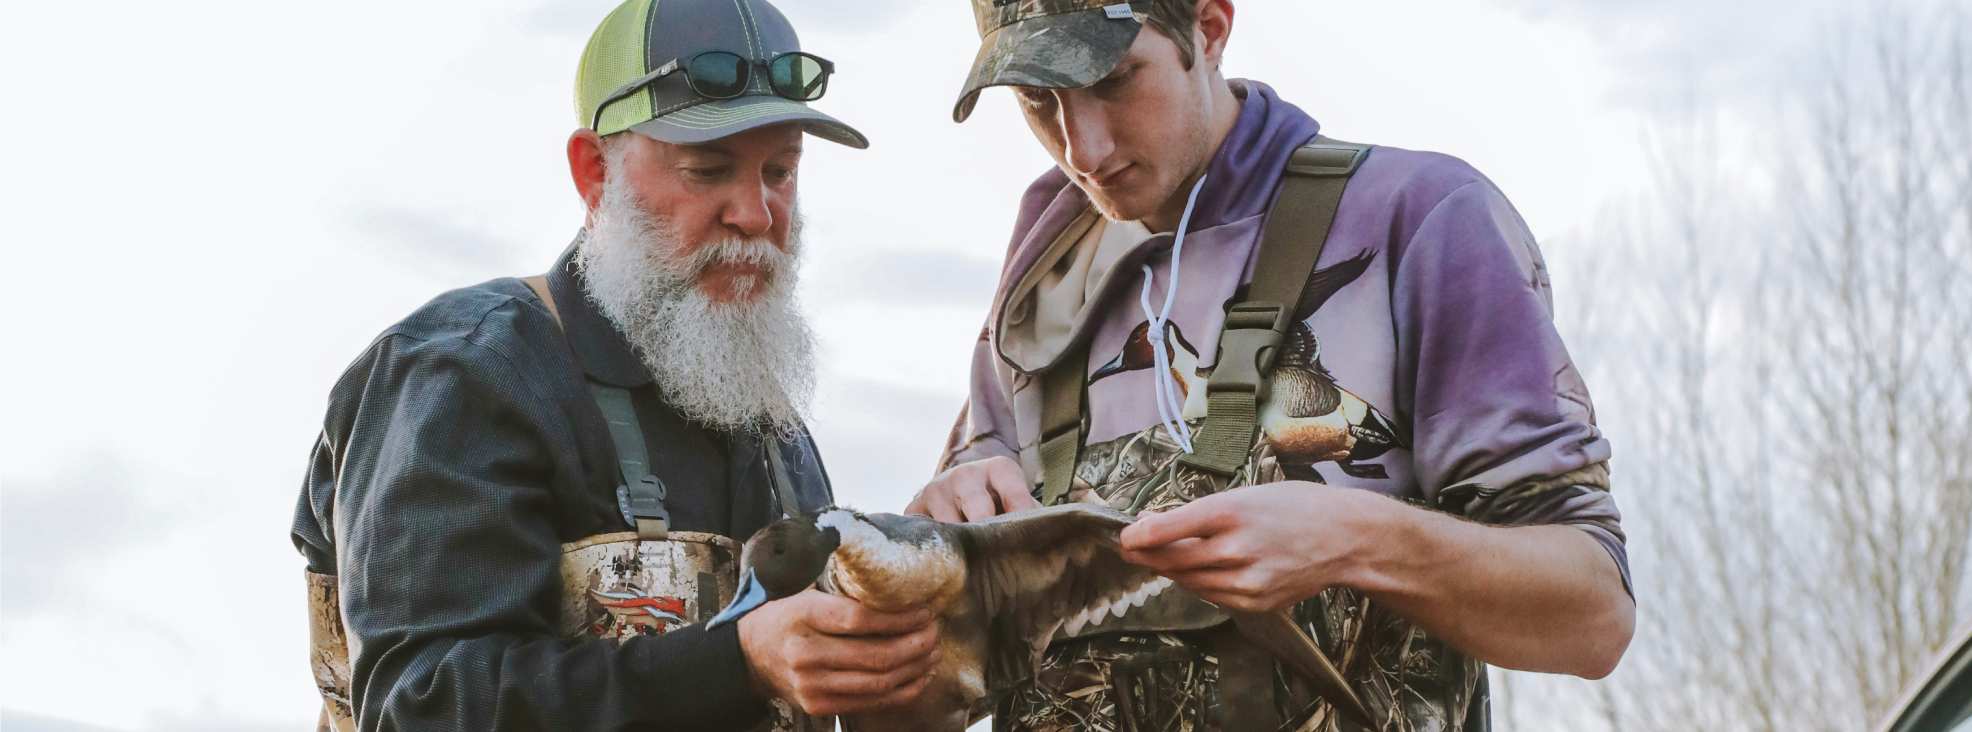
614, 90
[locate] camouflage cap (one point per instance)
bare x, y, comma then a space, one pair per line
1060, 44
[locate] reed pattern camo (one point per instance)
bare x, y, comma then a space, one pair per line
1410, 681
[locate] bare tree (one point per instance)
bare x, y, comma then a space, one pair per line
1796, 433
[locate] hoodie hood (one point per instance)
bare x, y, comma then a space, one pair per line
1241, 180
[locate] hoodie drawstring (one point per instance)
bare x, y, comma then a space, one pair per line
1170, 406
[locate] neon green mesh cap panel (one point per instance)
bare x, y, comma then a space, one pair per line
615, 55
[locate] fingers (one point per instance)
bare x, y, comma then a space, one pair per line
851, 658
829, 704
974, 491
871, 654
842, 616
976, 502
1009, 485
1199, 519
916, 507
1189, 555
935, 502
1241, 589
943, 508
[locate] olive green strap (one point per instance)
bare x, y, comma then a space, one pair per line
640, 497
1061, 422
1302, 213
780, 479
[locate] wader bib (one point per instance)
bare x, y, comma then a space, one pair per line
1178, 664
616, 585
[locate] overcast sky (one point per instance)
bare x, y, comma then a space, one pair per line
212, 206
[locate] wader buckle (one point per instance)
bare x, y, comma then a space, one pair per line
642, 505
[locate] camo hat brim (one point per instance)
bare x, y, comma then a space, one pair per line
1056, 44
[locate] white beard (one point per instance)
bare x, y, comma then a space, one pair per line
739, 366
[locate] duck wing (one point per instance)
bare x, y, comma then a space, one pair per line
1325, 282
1034, 572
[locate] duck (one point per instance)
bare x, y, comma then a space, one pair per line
1000, 588
1307, 416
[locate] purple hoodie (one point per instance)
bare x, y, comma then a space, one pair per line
1435, 354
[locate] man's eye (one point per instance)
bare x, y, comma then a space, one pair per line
707, 173
1115, 82
779, 174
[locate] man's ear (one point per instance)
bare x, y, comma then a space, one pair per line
587, 166
1215, 20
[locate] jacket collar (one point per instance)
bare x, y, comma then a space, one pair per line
604, 354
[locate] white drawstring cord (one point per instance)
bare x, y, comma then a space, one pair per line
1170, 407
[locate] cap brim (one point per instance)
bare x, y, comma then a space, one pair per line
715, 119
1063, 51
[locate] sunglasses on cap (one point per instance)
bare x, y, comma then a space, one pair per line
802, 77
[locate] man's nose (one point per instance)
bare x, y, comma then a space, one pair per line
749, 210
1085, 133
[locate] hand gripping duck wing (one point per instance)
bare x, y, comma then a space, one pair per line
1001, 589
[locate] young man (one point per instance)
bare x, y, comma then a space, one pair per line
528, 494
1419, 477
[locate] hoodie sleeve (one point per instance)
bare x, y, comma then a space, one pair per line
985, 426
1504, 430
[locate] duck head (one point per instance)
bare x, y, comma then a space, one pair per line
887, 562
779, 560
1139, 353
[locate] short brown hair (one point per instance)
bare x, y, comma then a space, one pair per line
1176, 19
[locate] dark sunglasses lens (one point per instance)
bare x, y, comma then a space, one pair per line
799, 76
717, 74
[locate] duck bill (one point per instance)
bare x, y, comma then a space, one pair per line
750, 595
1114, 367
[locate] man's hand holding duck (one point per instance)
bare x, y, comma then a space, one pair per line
832, 655
1260, 548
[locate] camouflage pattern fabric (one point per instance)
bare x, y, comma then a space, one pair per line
1060, 44
996, 14
1170, 681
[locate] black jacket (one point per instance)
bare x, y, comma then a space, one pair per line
459, 452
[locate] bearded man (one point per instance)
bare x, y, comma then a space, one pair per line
524, 498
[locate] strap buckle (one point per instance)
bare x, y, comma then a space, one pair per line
642, 505
1248, 345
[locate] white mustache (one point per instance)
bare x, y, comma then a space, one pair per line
760, 253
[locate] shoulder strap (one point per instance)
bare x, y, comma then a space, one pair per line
1296, 231
641, 495
1303, 211
781, 479
1062, 390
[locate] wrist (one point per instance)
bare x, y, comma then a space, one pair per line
1386, 541
750, 654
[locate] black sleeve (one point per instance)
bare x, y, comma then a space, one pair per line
450, 563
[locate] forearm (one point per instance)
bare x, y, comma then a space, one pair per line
1536, 598
512, 682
